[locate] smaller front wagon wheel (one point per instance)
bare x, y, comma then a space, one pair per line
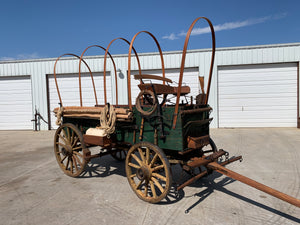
68, 149
148, 172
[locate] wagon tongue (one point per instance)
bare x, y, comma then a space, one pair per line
211, 164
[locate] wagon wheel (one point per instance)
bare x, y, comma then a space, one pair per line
121, 153
68, 148
148, 172
146, 102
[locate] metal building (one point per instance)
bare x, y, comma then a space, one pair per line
252, 86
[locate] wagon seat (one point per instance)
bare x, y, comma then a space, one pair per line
160, 88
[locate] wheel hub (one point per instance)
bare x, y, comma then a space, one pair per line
143, 173
69, 150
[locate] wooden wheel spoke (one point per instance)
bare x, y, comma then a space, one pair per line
157, 168
146, 190
63, 159
61, 144
68, 161
72, 137
63, 138
147, 155
71, 166
78, 161
159, 176
137, 159
77, 148
153, 160
68, 134
75, 163
142, 155
140, 184
157, 184
134, 165
78, 154
133, 175
75, 141
153, 189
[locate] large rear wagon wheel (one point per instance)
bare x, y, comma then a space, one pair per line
148, 172
68, 149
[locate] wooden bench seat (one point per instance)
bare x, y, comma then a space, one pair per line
164, 89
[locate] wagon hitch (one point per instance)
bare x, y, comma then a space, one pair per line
211, 164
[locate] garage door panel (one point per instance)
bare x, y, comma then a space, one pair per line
268, 98
238, 89
264, 82
270, 102
262, 114
263, 123
15, 103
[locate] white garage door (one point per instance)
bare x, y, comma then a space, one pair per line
258, 95
190, 78
15, 103
69, 91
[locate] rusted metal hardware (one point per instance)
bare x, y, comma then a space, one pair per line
197, 162
37, 117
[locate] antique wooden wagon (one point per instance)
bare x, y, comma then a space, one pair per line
151, 135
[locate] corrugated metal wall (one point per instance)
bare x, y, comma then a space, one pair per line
38, 69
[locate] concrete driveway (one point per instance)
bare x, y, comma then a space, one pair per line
33, 189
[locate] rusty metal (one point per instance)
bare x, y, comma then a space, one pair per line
233, 159
104, 80
197, 162
37, 118
183, 63
56, 84
104, 73
129, 63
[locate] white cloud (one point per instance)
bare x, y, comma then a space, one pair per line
170, 37
228, 26
34, 55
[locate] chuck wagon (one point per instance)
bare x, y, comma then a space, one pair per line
165, 126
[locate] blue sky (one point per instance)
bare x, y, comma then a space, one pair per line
46, 29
